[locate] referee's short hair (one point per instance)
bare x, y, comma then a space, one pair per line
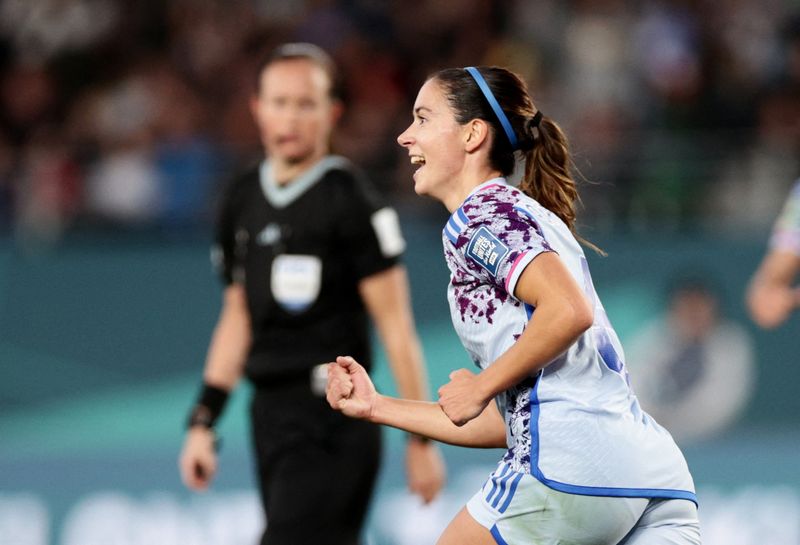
306, 51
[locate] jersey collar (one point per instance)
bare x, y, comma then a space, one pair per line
485, 185
458, 219
280, 196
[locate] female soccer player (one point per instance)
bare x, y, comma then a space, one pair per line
585, 464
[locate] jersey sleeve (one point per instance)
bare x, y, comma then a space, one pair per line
223, 249
786, 231
501, 247
371, 230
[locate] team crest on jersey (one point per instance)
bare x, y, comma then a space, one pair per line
486, 250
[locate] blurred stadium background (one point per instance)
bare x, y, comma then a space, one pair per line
120, 120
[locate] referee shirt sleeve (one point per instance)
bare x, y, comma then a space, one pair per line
223, 250
371, 231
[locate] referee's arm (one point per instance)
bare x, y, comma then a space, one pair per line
224, 367
386, 296
230, 341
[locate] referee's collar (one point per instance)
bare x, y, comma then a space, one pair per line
280, 196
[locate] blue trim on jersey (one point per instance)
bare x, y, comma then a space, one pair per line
496, 535
666, 493
522, 210
462, 216
495, 479
528, 310
503, 483
453, 228
534, 407
511, 492
448, 233
606, 350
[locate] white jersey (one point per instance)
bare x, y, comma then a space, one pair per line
576, 425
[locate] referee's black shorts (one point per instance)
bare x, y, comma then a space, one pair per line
316, 467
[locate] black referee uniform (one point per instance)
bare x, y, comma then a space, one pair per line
300, 250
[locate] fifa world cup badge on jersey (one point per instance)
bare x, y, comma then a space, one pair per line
486, 250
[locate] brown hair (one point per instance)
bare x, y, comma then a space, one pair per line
547, 167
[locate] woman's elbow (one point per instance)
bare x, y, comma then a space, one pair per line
583, 316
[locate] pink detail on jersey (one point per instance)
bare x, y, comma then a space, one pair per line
513, 268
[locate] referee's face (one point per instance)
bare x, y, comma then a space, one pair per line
294, 111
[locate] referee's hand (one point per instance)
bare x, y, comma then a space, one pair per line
198, 460
425, 469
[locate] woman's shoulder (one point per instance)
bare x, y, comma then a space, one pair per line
501, 204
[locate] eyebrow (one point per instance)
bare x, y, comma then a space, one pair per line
418, 109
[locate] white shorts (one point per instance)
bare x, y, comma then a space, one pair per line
519, 510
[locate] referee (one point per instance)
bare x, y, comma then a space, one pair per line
307, 251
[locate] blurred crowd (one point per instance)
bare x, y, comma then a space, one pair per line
682, 113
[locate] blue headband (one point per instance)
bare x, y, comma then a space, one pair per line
498, 111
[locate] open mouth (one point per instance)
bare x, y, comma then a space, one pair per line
418, 160
286, 139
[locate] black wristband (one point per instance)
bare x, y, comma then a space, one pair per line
208, 408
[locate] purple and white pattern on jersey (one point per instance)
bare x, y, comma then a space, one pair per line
488, 237
488, 242
518, 426
575, 426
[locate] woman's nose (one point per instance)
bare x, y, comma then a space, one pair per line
405, 138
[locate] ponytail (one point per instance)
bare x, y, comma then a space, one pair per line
547, 176
501, 97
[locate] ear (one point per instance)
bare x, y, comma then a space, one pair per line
254, 104
476, 132
337, 110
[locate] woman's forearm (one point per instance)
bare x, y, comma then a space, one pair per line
551, 331
562, 313
427, 419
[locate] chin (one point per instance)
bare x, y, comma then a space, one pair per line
296, 158
291, 154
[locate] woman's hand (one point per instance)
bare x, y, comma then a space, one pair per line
461, 399
772, 304
350, 389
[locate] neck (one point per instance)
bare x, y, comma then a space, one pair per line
466, 185
285, 172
